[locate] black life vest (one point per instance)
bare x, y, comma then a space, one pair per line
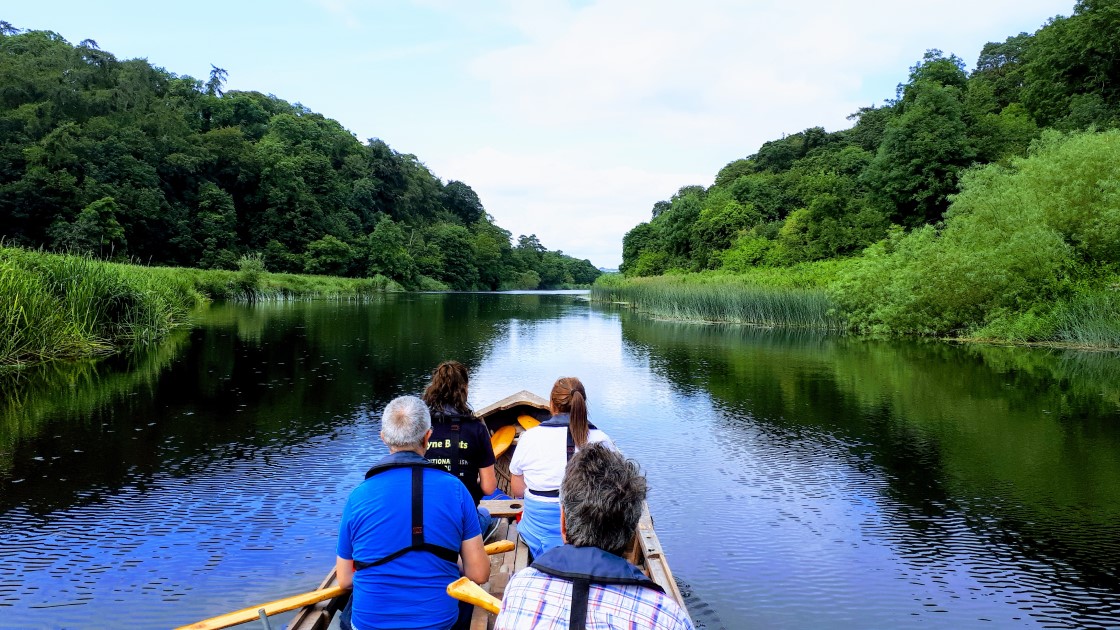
584, 566
455, 420
418, 543
561, 420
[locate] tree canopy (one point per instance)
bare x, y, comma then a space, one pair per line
122, 159
815, 194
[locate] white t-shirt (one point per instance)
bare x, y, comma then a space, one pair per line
542, 455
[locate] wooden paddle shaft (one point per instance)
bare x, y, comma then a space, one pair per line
299, 601
271, 608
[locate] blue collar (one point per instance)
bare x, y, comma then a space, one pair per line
559, 420
593, 564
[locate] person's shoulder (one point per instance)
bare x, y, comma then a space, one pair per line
447, 482
670, 608
599, 435
528, 578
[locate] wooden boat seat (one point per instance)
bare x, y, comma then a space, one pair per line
503, 508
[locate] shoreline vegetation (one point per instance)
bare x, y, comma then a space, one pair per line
1028, 252
73, 306
979, 205
68, 306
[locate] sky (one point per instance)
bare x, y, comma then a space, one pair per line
570, 119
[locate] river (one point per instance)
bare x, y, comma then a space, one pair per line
796, 479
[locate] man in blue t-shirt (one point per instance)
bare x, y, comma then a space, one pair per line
398, 557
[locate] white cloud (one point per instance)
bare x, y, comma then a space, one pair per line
704, 82
569, 204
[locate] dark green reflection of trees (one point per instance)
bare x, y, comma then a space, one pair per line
1027, 437
244, 377
31, 400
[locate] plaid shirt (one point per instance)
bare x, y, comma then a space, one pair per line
535, 600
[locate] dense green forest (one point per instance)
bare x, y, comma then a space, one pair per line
126, 161
972, 203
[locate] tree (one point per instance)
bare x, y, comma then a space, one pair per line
387, 253
461, 200
329, 256
457, 268
217, 80
640, 239
94, 231
1073, 63
216, 227
1000, 68
721, 219
922, 154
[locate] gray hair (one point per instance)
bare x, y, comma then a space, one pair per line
602, 496
404, 422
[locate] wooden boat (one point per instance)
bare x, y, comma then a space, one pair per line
645, 549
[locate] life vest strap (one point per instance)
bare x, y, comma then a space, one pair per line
418, 542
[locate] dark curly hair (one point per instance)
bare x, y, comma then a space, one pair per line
448, 388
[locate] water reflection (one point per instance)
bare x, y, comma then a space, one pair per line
985, 469
796, 479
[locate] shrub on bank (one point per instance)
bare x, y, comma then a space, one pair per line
1024, 251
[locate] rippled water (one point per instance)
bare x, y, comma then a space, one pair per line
796, 480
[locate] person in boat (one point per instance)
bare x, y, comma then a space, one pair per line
538, 464
460, 442
586, 582
403, 530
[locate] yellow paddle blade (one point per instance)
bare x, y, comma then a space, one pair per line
527, 421
502, 438
499, 546
465, 590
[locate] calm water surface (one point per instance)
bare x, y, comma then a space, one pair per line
797, 480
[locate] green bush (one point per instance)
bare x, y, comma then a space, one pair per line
1015, 241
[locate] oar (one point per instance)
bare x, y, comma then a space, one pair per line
271, 608
465, 590
299, 601
502, 438
527, 421
499, 546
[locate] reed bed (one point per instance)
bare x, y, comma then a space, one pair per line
59, 306
1092, 320
726, 301
56, 306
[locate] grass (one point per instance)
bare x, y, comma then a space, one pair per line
55, 306
1092, 319
794, 299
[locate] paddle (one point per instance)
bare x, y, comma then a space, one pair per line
527, 421
271, 608
502, 438
299, 601
499, 546
465, 590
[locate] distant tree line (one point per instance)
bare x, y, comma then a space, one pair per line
816, 195
128, 161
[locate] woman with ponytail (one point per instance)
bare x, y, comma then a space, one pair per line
542, 454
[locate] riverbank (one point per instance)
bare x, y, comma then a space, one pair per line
1084, 315
55, 306
797, 298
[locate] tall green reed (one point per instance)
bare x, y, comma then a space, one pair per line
728, 301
